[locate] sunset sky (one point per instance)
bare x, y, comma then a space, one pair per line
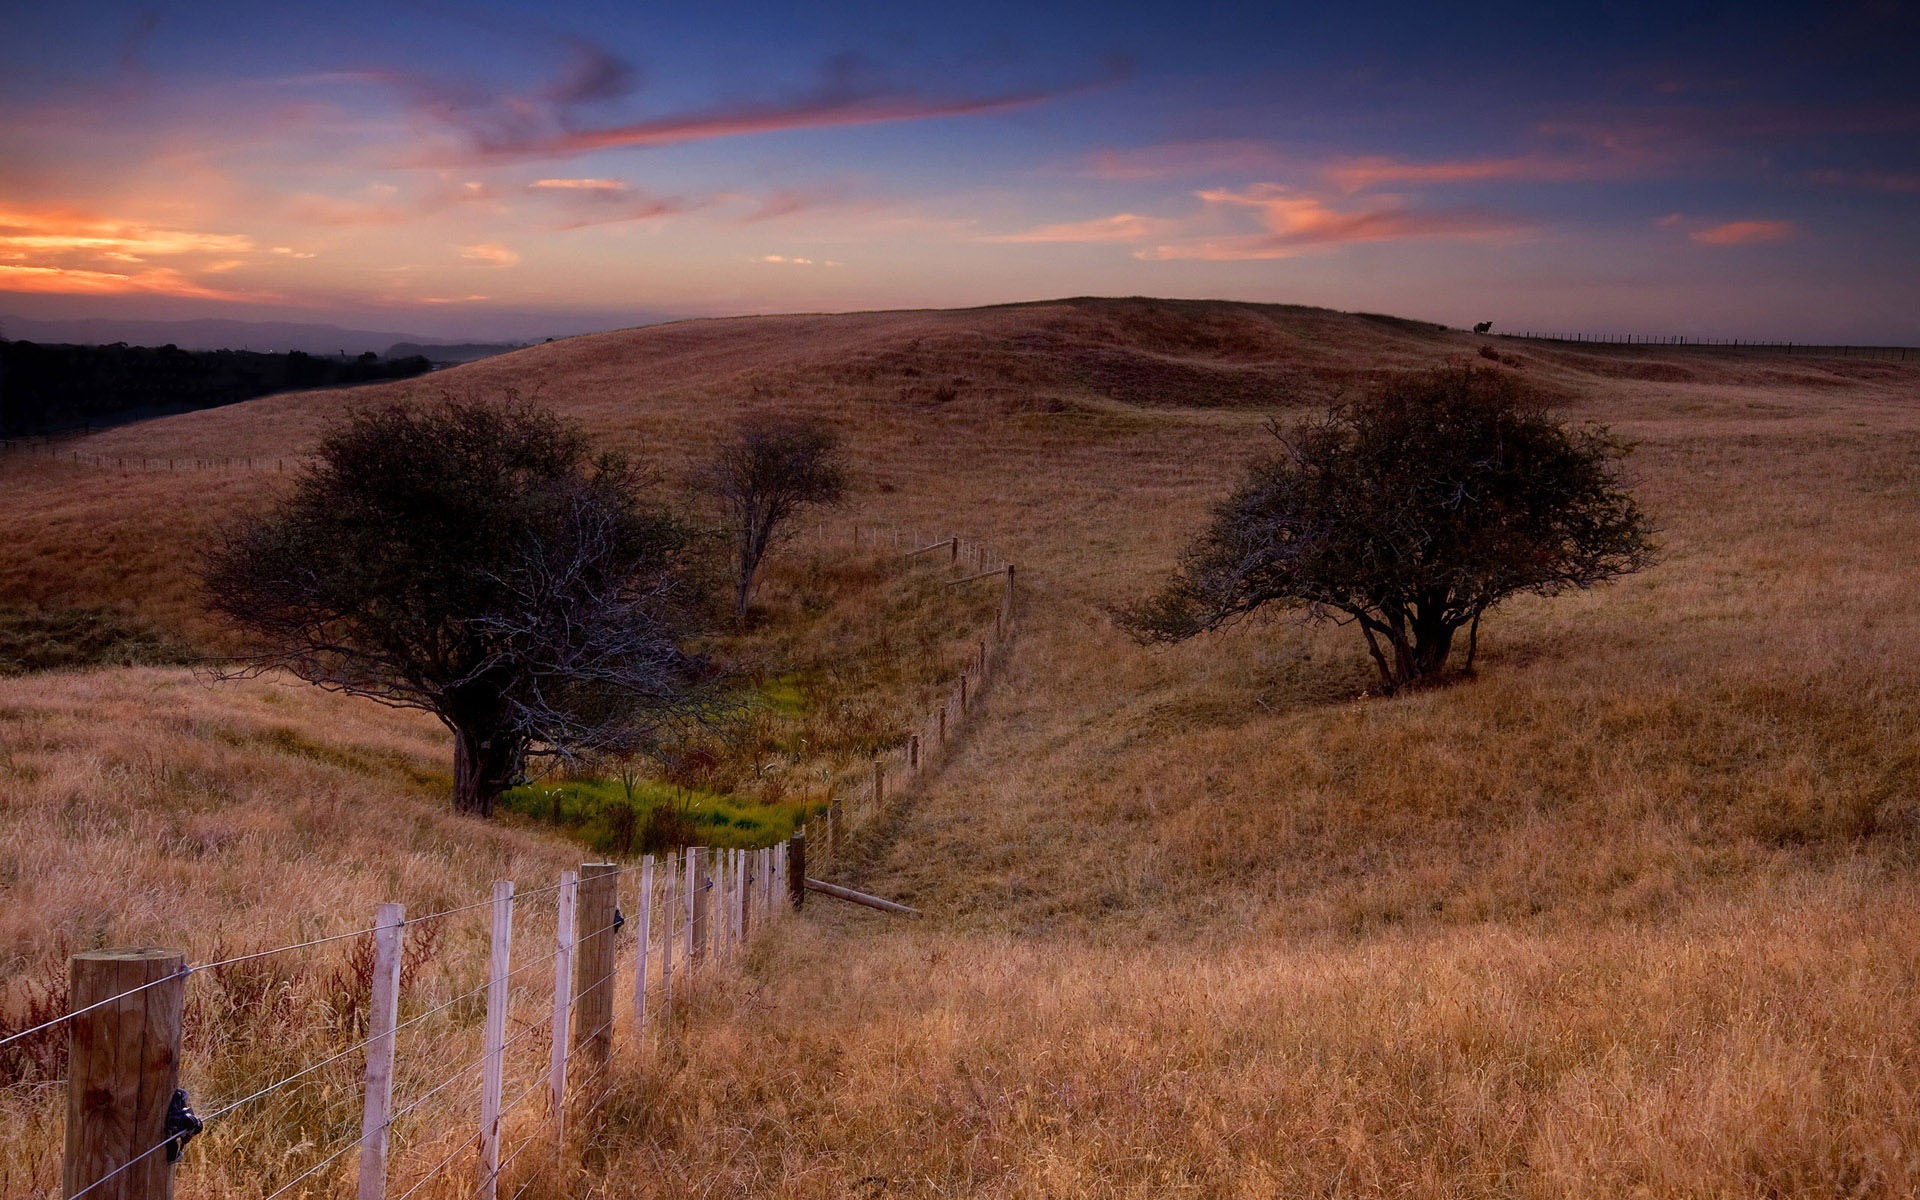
476, 170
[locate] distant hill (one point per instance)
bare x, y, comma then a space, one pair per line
443, 354
206, 334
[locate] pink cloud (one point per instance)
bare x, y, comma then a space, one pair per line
1743, 233
580, 185
1121, 227
491, 253
1296, 222
1361, 174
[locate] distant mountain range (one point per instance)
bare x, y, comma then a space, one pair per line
267, 336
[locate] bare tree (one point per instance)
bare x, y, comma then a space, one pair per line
765, 474
1411, 514
474, 560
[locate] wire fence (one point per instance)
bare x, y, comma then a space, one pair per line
447, 1053
1882, 353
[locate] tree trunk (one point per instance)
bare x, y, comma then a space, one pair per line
483, 767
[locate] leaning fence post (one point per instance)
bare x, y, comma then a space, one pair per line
498, 966
123, 1063
646, 944
562, 1003
594, 962
383, 1013
797, 868
963, 691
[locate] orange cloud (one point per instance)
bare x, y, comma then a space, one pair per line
124, 241
1296, 222
1742, 233
74, 281
491, 253
1121, 227
580, 185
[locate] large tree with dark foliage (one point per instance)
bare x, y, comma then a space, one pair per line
761, 477
478, 561
1410, 514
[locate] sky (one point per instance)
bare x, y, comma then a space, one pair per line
479, 170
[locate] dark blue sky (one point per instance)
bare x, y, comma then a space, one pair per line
1708, 170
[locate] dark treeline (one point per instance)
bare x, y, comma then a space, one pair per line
49, 388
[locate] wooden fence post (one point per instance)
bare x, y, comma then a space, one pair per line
564, 931
492, 1082
645, 946
749, 891
797, 868
123, 1062
941, 715
593, 963
913, 752
963, 691
879, 785
669, 929
699, 883
689, 886
383, 1013
1007, 602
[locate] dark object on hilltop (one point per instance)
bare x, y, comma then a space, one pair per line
48, 388
476, 561
1410, 514
1483, 327
762, 477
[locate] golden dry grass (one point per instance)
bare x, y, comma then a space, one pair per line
1630, 913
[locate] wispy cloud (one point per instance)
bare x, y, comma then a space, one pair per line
1366, 173
157, 281
1744, 233
1121, 227
544, 123
1290, 221
491, 253
787, 260
580, 185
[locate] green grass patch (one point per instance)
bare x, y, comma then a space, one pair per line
658, 816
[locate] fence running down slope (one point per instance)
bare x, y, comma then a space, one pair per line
454, 1061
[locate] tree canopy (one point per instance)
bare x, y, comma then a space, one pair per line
478, 561
1411, 513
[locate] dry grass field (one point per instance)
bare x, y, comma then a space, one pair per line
1633, 912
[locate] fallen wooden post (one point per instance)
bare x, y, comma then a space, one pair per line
848, 894
935, 546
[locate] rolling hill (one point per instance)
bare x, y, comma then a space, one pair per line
1631, 912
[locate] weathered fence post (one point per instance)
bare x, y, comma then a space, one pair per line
942, 717
123, 1062
492, 1082
669, 930
699, 884
963, 691
646, 945
383, 1013
599, 899
797, 868
564, 931
1007, 602
749, 892
879, 785
913, 752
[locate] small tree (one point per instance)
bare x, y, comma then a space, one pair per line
474, 560
765, 474
1411, 514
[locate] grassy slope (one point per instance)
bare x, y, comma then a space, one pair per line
1626, 912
